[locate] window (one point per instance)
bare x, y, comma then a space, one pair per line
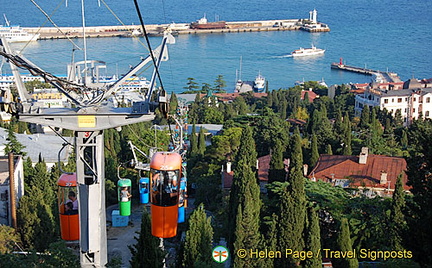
385, 100
413, 110
415, 99
392, 99
399, 100
427, 113
428, 100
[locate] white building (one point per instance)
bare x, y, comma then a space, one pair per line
410, 101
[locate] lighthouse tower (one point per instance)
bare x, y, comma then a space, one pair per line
313, 16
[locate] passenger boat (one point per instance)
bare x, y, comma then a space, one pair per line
307, 52
16, 33
204, 24
259, 83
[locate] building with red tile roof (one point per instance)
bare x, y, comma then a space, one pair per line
374, 172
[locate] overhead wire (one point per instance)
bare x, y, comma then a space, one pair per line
148, 43
121, 22
53, 23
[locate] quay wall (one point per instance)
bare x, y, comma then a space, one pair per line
178, 28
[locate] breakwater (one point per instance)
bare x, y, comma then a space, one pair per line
177, 28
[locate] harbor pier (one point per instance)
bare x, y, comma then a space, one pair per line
379, 76
177, 28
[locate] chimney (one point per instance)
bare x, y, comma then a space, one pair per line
383, 179
363, 155
228, 169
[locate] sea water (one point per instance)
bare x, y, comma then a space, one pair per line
377, 34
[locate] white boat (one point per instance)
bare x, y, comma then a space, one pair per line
16, 33
259, 83
307, 52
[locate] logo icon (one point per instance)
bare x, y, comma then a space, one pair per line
220, 254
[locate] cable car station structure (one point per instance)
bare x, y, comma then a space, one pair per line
89, 116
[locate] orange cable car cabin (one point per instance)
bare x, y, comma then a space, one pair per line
165, 174
68, 206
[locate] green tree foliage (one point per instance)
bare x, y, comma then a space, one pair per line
268, 129
343, 243
191, 85
57, 255
365, 117
240, 105
198, 241
244, 199
419, 178
347, 136
146, 252
319, 124
201, 142
220, 83
36, 220
173, 103
8, 239
397, 218
224, 147
277, 169
13, 145
313, 239
314, 151
193, 141
291, 205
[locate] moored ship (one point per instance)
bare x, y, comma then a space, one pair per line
15, 33
204, 24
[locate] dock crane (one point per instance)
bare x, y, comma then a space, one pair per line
88, 116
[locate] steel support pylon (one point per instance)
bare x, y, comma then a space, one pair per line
91, 197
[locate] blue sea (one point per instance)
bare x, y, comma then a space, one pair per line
379, 34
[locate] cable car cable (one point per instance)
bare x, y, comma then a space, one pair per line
148, 43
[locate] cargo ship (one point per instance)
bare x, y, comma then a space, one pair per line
204, 24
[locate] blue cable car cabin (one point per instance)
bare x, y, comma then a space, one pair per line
144, 190
182, 201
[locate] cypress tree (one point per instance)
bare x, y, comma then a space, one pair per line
193, 142
173, 103
292, 206
198, 241
419, 178
277, 170
245, 202
314, 151
338, 124
347, 136
313, 239
397, 218
365, 117
146, 252
201, 142
36, 220
404, 139
344, 244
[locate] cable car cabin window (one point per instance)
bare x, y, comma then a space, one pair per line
143, 187
68, 202
165, 187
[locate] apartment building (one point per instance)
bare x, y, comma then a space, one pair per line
413, 101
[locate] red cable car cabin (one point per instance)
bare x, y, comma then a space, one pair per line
165, 177
68, 207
